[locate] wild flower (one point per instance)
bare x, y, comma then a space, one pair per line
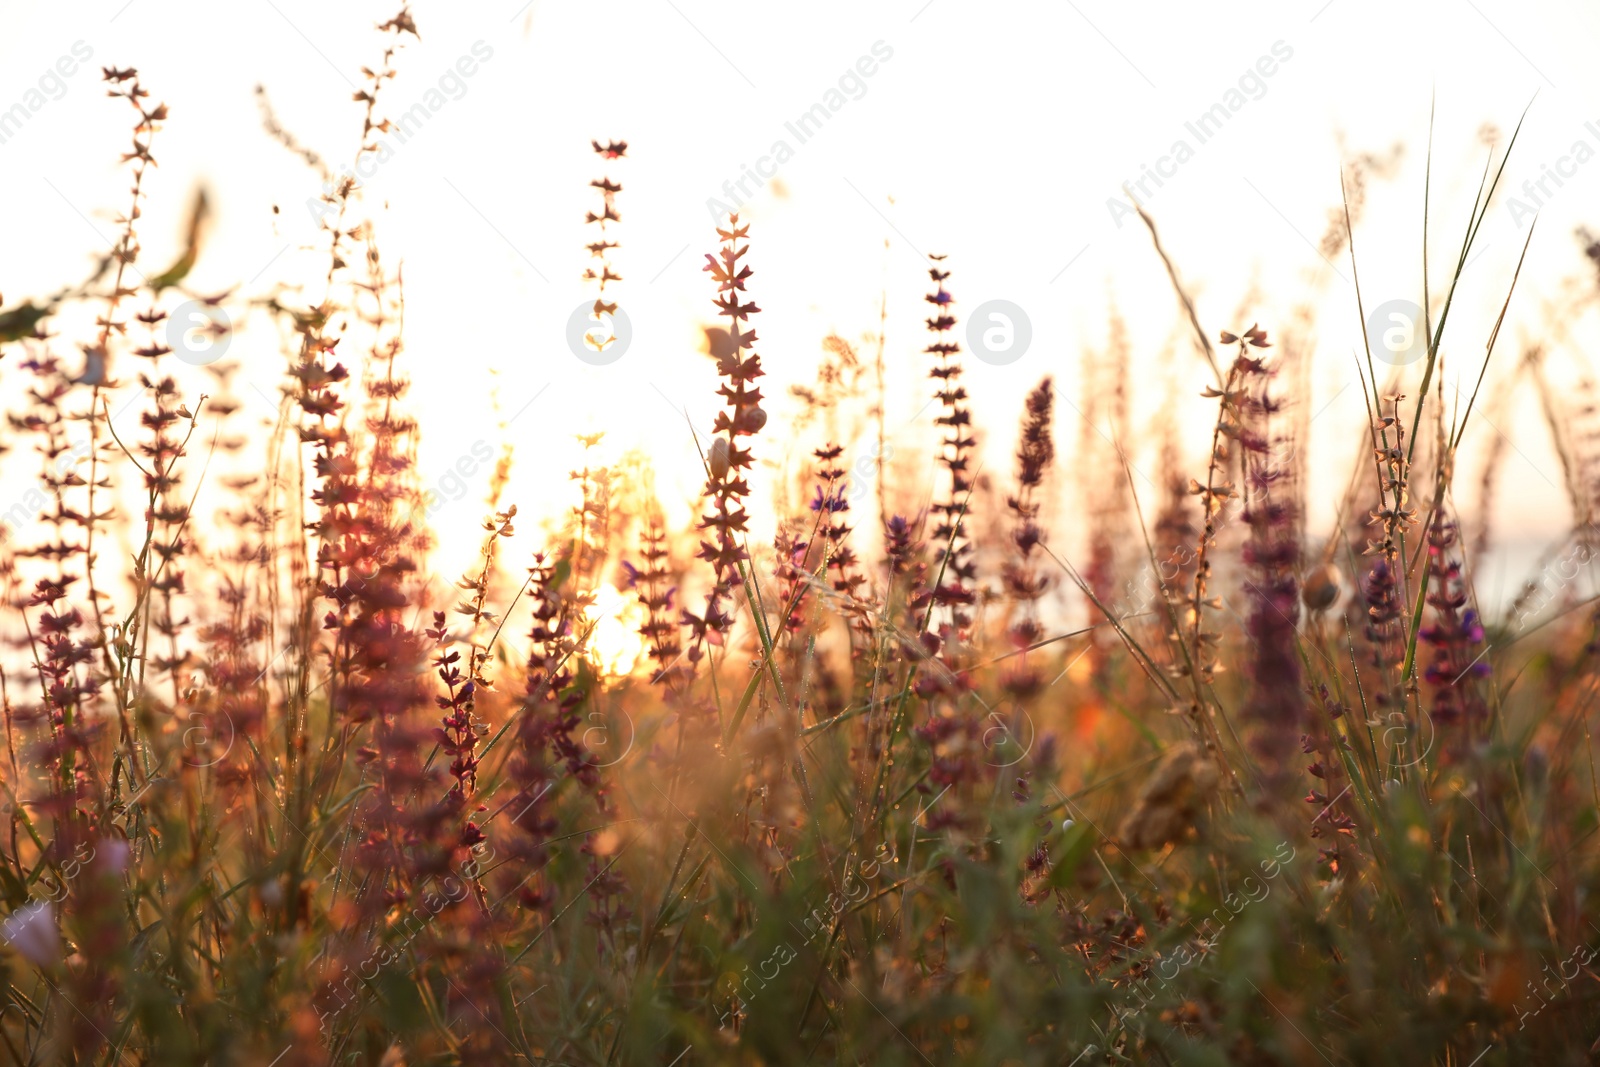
1384, 628
652, 583
1275, 705
1198, 646
1325, 742
1385, 586
602, 247
458, 733
954, 569
1455, 635
1022, 580
1167, 594
831, 505
793, 572
32, 931
907, 597
1214, 496
727, 460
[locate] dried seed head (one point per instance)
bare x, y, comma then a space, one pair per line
1321, 588
1171, 798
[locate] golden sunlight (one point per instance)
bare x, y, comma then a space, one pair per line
613, 622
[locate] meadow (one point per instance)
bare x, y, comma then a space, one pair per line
867, 793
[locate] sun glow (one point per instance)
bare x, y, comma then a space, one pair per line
614, 643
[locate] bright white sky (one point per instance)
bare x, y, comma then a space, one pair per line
996, 132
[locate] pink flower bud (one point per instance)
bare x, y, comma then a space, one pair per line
32, 932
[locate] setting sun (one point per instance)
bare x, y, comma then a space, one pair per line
612, 623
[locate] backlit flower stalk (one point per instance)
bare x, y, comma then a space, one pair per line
458, 732
1323, 741
951, 728
455, 734
363, 518
832, 506
1169, 593
727, 460
652, 582
600, 248
120, 650
54, 642
589, 525
1275, 707
1023, 582
547, 753
159, 569
1198, 651
555, 690
954, 570
792, 567
1383, 588
1455, 635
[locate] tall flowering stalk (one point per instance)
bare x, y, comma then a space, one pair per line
407, 832
1383, 587
1324, 742
792, 567
547, 754
652, 583
591, 523
457, 734
1035, 453
727, 460
1380, 592
831, 504
163, 555
59, 658
600, 248
61, 654
353, 510
954, 569
117, 649
1173, 536
905, 564
1455, 636
1199, 648
1275, 706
